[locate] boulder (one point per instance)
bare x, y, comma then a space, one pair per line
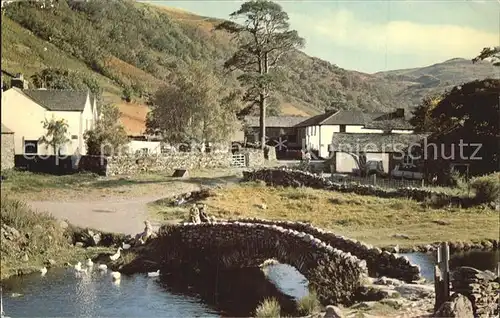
333, 312
457, 307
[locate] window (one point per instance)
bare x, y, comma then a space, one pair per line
74, 137
31, 147
342, 128
291, 138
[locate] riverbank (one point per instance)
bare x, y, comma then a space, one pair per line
31, 241
381, 222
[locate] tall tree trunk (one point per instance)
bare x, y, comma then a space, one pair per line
262, 108
264, 69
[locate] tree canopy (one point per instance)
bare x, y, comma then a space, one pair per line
108, 137
488, 53
56, 135
196, 107
56, 78
263, 39
469, 113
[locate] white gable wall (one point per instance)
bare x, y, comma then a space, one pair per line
320, 137
24, 116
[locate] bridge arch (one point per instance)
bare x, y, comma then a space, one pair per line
379, 263
334, 274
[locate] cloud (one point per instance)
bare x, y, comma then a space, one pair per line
343, 28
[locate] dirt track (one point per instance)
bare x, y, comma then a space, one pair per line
115, 214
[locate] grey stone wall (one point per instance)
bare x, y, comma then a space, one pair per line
379, 263
298, 178
118, 165
131, 164
481, 288
335, 275
7, 151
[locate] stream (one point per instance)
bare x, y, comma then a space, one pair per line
227, 293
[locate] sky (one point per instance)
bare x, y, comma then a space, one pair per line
371, 36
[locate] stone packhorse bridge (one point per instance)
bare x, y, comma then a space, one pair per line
335, 274
379, 263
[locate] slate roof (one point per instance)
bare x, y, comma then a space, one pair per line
350, 117
395, 123
58, 100
374, 142
6, 130
315, 120
275, 121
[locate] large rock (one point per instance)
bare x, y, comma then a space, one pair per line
457, 307
415, 291
332, 312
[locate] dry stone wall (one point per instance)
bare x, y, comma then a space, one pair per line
119, 165
130, 164
335, 275
7, 159
379, 263
481, 288
297, 178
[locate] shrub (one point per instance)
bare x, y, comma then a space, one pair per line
270, 307
487, 188
309, 304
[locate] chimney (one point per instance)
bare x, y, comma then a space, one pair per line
19, 82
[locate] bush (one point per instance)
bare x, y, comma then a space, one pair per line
487, 188
309, 304
270, 307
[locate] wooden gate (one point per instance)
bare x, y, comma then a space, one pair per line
239, 160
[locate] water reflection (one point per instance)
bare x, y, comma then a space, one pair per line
237, 293
229, 293
60, 293
482, 260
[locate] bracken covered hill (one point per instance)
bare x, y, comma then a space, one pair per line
125, 44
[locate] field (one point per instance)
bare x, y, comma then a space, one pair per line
41, 187
371, 219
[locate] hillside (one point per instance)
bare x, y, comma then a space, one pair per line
418, 82
125, 44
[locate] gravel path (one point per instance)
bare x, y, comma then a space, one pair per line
118, 215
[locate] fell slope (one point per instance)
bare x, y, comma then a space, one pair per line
125, 44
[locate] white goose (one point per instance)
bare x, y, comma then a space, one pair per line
154, 274
116, 275
78, 267
43, 271
116, 255
102, 267
90, 263
125, 246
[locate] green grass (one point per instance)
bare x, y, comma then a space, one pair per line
40, 238
26, 185
367, 218
268, 308
309, 304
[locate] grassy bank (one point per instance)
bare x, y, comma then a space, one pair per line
30, 240
39, 186
371, 219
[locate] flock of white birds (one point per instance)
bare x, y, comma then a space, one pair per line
102, 268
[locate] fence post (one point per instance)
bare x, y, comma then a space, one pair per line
498, 269
442, 275
374, 176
